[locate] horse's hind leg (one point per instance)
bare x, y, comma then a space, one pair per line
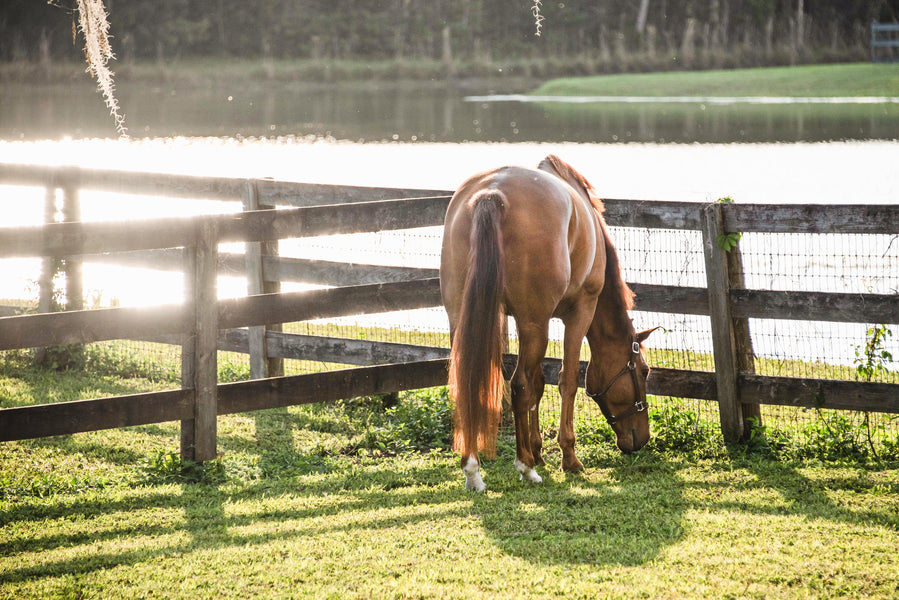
471, 467
471, 464
527, 387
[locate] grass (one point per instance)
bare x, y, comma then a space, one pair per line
854, 79
361, 499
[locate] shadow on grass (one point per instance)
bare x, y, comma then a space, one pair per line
208, 525
626, 515
798, 494
625, 511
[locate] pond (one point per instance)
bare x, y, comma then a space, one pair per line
432, 112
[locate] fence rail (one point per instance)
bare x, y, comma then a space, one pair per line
884, 42
191, 245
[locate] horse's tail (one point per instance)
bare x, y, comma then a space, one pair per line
475, 378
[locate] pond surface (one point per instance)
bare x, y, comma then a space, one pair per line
432, 112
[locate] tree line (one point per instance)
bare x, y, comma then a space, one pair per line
600, 35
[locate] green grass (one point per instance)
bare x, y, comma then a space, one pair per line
855, 79
361, 499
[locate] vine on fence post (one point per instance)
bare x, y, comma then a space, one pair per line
728, 241
871, 361
874, 358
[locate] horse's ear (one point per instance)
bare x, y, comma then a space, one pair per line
641, 337
549, 164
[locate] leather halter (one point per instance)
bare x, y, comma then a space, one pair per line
638, 405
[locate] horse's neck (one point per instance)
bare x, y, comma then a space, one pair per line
611, 320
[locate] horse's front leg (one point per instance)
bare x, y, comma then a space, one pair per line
536, 437
576, 325
567, 438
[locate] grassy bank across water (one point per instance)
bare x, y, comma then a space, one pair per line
814, 81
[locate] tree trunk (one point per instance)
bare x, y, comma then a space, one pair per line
641, 15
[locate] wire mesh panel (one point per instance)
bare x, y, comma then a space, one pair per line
829, 263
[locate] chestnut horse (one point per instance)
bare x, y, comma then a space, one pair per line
533, 244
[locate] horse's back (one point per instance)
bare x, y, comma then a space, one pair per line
549, 237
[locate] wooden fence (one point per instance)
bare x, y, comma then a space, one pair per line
245, 324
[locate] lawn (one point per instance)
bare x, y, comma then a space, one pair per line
854, 79
361, 499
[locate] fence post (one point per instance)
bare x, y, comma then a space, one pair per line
74, 268
48, 268
743, 340
723, 338
261, 365
70, 211
199, 364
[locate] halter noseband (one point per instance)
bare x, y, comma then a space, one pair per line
600, 397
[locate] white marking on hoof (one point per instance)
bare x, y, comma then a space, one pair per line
472, 472
527, 472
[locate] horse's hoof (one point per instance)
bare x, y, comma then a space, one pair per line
531, 476
472, 470
476, 486
527, 473
573, 466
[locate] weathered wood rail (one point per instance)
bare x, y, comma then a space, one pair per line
205, 324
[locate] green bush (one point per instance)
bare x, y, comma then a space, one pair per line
676, 430
167, 466
419, 422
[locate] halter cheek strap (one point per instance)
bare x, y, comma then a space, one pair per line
638, 405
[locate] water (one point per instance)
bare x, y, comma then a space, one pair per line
381, 136
486, 111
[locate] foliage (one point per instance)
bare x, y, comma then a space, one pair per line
677, 430
420, 422
167, 466
728, 241
538, 18
677, 35
94, 26
118, 360
233, 367
873, 359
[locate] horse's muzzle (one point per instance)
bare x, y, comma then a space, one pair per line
631, 441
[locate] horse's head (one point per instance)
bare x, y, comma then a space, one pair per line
616, 381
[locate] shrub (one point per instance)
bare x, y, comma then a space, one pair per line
420, 421
167, 466
676, 430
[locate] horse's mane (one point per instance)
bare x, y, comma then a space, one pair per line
566, 171
616, 288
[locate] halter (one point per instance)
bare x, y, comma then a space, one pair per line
600, 397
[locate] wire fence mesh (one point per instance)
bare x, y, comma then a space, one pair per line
820, 262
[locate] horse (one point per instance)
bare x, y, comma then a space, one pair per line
533, 244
